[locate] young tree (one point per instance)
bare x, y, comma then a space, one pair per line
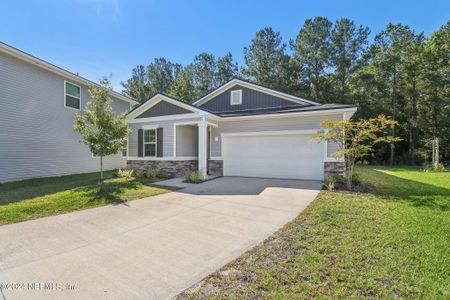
312, 53
102, 130
266, 60
356, 139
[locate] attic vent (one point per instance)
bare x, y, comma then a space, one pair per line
236, 97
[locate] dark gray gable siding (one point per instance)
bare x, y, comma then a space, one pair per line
163, 108
250, 99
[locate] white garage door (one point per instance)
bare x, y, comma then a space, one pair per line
292, 156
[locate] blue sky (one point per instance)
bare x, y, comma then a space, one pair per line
99, 37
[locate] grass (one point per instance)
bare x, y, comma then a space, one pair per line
40, 197
393, 243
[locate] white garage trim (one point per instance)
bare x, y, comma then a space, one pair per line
283, 132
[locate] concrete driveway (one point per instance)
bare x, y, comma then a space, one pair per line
151, 248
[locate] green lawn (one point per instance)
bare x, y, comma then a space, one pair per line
35, 198
394, 243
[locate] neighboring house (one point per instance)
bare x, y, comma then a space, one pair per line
38, 102
239, 129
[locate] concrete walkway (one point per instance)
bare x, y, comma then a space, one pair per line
151, 248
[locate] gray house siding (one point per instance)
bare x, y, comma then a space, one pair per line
275, 124
187, 140
168, 135
163, 108
251, 99
37, 137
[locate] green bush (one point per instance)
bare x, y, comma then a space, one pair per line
330, 182
193, 176
154, 173
439, 167
139, 173
151, 173
124, 173
356, 179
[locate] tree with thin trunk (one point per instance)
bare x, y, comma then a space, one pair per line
312, 53
102, 130
356, 139
389, 51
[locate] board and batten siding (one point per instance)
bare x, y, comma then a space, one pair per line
269, 124
251, 99
36, 130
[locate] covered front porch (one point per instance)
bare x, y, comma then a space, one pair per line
192, 140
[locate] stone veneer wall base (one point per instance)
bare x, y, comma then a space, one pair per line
334, 168
215, 167
173, 167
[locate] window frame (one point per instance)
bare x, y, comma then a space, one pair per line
150, 143
65, 94
239, 92
125, 150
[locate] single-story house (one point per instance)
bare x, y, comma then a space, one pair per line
38, 102
239, 129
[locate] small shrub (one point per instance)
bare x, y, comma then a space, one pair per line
356, 179
439, 167
125, 173
155, 173
193, 176
162, 175
139, 173
151, 174
330, 182
115, 172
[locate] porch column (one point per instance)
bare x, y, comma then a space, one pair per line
202, 148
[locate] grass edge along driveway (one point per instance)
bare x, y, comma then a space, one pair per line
392, 243
41, 197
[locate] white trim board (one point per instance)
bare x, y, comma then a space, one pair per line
254, 87
163, 158
269, 132
350, 111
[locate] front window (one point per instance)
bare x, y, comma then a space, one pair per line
150, 142
72, 95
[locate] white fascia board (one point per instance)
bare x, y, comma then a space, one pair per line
293, 114
164, 118
270, 132
163, 158
57, 70
256, 88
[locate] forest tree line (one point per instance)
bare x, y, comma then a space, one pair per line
400, 73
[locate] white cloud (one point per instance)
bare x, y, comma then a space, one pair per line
101, 7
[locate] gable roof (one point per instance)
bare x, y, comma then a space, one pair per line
138, 110
256, 87
57, 70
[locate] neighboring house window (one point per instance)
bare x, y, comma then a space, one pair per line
124, 151
149, 142
236, 97
72, 95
